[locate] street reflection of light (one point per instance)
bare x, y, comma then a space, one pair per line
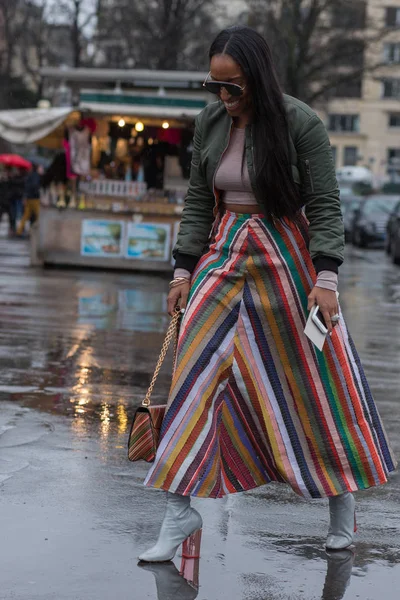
122, 417
79, 427
105, 420
83, 376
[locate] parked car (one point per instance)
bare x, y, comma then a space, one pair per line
346, 191
371, 220
392, 242
351, 175
350, 205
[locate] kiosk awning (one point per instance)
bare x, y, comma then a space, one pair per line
30, 125
142, 104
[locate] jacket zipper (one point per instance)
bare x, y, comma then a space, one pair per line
253, 166
308, 171
217, 167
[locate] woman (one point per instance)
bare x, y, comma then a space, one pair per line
252, 401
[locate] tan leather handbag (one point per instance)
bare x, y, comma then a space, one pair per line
147, 421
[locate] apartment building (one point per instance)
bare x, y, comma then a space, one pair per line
364, 121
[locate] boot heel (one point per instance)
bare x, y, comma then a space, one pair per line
191, 546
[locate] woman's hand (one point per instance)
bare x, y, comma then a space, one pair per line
327, 302
178, 296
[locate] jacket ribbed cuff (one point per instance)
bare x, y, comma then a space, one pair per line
186, 261
326, 263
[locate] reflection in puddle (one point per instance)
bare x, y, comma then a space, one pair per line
129, 309
123, 419
335, 568
105, 420
172, 584
79, 427
338, 575
184, 585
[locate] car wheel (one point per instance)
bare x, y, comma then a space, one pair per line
359, 239
395, 251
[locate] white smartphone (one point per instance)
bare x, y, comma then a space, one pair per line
316, 329
318, 319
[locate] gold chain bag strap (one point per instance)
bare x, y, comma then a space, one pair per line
147, 421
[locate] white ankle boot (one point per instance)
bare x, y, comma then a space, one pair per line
343, 521
180, 522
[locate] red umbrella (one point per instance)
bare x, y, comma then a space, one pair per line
14, 160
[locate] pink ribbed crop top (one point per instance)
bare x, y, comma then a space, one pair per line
232, 177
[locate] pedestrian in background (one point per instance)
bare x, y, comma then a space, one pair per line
11, 190
252, 400
31, 199
16, 192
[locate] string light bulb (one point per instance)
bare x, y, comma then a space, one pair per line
139, 126
165, 125
121, 123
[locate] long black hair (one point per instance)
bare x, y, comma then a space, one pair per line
276, 190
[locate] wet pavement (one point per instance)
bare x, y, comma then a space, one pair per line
77, 350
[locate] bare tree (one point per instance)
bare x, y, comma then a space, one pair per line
12, 25
320, 46
159, 34
14, 89
34, 47
80, 15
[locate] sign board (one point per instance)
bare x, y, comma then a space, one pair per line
148, 241
102, 238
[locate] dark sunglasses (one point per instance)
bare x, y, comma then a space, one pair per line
214, 87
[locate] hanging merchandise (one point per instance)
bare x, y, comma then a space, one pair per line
80, 150
67, 148
169, 135
88, 122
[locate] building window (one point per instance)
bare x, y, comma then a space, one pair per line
391, 88
334, 155
351, 16
344, 123
393, 163
350, 156
391, 53
394, 120
392, 16
348, 89
393, 156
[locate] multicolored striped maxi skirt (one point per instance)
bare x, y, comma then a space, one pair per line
252, 400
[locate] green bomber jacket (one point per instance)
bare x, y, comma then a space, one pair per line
312, 167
